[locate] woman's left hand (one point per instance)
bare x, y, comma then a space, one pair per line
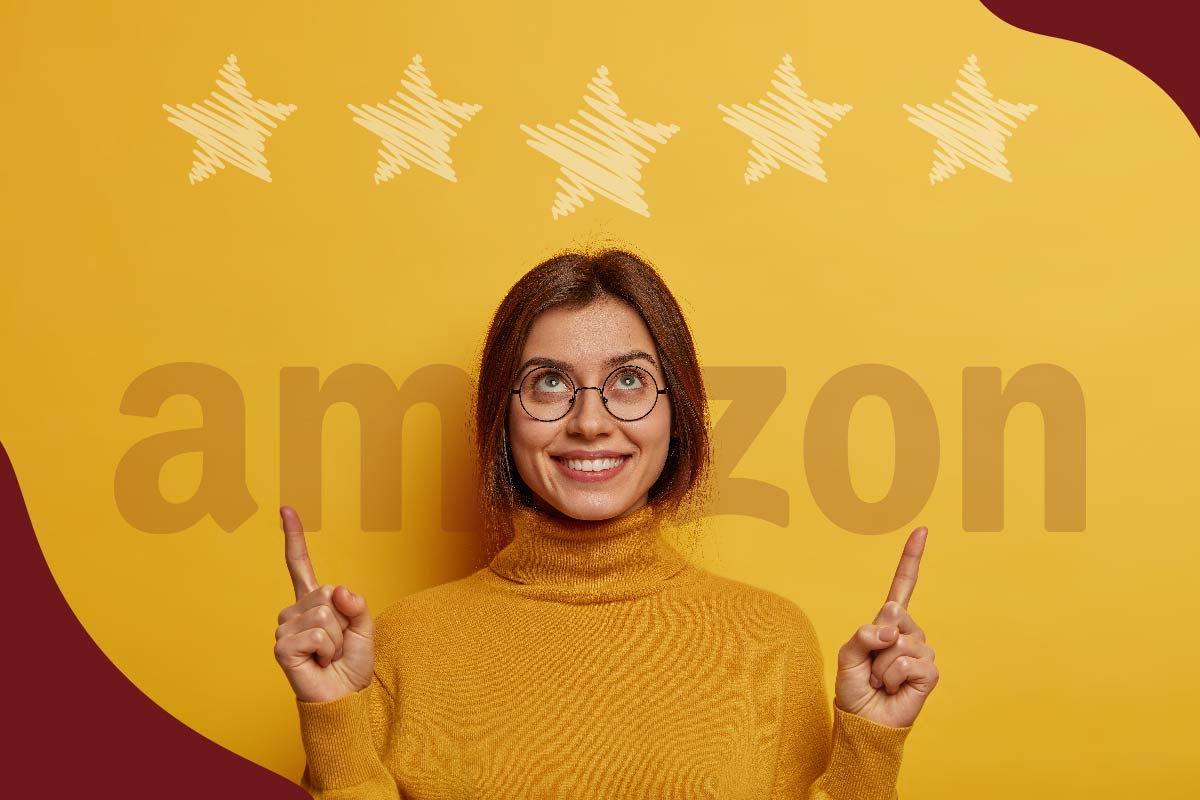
886, 670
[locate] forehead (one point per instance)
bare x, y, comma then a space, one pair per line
588, 334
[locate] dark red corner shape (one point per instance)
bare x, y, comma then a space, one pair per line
1157, 37
76, 726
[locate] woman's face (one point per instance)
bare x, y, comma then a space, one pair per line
587, 343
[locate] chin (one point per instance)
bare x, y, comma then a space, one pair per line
593, 509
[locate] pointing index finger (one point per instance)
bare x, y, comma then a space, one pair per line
905, 579
304, 580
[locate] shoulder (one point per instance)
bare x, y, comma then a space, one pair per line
734, 591
764, 608
433, 604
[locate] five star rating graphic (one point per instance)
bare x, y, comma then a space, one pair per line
602, 152
417, 129
232, 132
970, 129
785, 129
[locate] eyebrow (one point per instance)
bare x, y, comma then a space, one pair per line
615, 361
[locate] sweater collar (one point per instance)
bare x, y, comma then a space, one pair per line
585, 561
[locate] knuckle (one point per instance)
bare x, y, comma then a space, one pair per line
323, 614
279, 633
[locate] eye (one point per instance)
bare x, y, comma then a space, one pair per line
550, 382
628, 379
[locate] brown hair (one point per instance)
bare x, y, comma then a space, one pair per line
576, 277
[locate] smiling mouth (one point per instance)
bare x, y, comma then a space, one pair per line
592, 464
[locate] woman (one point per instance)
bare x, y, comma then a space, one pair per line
590, 659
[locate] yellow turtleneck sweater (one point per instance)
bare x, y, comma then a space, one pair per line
593, 660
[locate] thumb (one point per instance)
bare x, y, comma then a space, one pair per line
354, 606
865, 639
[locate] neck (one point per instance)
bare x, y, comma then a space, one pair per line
588, 561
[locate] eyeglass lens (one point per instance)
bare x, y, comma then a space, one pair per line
629, 393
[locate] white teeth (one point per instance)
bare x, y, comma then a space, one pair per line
594, 464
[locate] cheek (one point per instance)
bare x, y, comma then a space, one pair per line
517, 438
525, 437
655, 438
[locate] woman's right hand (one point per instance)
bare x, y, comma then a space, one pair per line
325, 641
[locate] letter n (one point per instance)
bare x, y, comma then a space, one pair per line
986, 407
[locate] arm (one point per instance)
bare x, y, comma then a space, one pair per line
846, 757
345, 741
326, 644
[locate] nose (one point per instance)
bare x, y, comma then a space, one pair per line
588, 417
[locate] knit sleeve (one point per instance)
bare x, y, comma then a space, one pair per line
848, 757
344, 740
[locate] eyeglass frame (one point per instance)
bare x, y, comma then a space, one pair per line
578, 389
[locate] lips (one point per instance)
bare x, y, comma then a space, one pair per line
590, 466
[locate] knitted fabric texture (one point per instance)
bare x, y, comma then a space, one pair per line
589, 661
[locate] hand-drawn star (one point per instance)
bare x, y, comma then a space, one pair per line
232, 131
971, 128
415, 127
786, 130
602, 154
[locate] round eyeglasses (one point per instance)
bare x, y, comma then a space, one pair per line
547, 394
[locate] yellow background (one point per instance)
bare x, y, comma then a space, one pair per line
1068, 659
